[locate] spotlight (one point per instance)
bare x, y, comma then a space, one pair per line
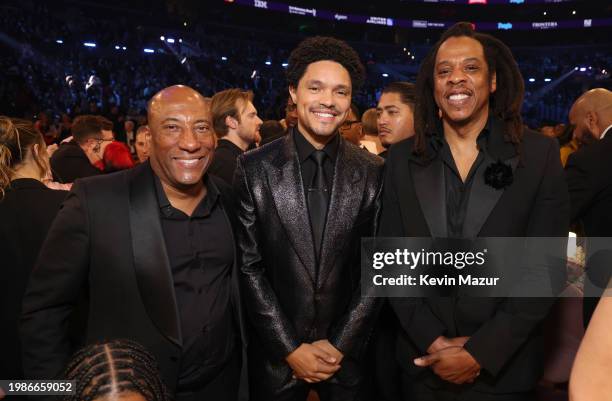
183, 60
59, 41
573, 12
180, 40
547, 79
149, 51
286, 64
185, 23
162, 38
170, 40
89, 44
253, 74
268, 63
223, 58
385, 75
544, 12
582, 69
124, 48
412, 57
531, 79
117, 47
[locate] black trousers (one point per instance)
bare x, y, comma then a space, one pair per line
223, 387
326, 392
418, 391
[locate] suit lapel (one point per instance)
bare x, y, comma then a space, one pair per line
430, 189
346, 194
151, 262
483, 197
288, 192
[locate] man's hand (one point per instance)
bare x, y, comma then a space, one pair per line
453, 364
443, 342
330, 349
312, 364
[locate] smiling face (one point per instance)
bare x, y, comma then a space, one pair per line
462, 82
182, 141
323, 99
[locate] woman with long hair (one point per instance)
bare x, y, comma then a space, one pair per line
27, 208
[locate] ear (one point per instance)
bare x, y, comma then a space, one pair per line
293, 93
231, 122
591, 121
493, 82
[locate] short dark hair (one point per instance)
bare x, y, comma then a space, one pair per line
355, 111
319, 48
89, 126
504, 104
406, 90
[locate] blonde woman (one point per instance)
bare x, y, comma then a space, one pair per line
27, 208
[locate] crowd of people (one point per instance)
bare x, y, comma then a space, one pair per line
202, 240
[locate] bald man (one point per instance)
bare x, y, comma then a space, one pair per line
589, 173
154, 247
591, 115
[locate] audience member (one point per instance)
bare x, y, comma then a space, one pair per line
119, 370
117, 157
351, 127
27, 208
236, 124
369, 127
142, 144
77, 158
396, 113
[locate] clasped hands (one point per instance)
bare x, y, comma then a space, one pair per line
450, 361
315, 362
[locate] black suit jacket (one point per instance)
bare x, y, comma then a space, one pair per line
108, 237
224, 162
69, 162
26, 212
504, 332
288, 302
589, 179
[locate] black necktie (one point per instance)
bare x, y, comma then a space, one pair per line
317, 200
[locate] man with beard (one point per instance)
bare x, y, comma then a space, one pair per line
159, 269
395, 111
438, 184
589, 179
236, 124
304, 203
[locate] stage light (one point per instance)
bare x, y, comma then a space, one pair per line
573, 12
162, 38
89, 44
582, 69
547, 79
180, 40
183, 60
59, 41
285, 65
385, 75
253, 74
268, 63
412, 57
170, 40
185, 23
404, 49
544, 12
149, 51
117, 47
124, 48
531, 79
575, 68
223, 58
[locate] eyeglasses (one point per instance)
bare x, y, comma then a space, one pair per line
349, 124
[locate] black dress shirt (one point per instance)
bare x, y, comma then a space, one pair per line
458, 191
308, 166
201, 256
224, 161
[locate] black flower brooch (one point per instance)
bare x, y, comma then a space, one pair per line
498, 175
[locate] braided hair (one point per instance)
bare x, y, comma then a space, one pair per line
115, 367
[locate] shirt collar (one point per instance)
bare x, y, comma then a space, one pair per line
605, 132
204, 207
305, 148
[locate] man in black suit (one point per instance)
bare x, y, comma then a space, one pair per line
155, 249
589, 179
236, 124
437, 185
304, 203
76, 158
